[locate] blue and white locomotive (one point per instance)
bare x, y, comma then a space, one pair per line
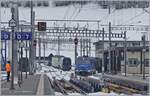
85, 66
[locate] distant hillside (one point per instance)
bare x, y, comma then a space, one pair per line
26, 3
105, 3
58, 3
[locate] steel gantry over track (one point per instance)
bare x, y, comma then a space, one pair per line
55, 32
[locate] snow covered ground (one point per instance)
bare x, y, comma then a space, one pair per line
3, 75
51, 72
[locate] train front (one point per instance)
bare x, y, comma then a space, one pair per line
84, 66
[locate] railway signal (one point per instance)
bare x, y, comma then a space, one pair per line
76, 54
41, 26
75, 41
34, 42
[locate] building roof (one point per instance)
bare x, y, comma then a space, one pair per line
115, 41
130, 48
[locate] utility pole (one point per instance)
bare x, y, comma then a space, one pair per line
144, 50
81, 47
109, 47
44, 51
109, 43
89, 47
33, 39
58, 46
26, 58
21, 45
98, 26
39, 51
125, 54
12, 24
14, 43
31, 56
103, 52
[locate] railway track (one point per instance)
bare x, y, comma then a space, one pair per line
86, 84
121, 89
126, 86
61, 85
111, 85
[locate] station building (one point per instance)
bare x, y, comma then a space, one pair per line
134, 53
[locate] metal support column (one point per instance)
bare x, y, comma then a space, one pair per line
26, 57
81, 47
13, 60
89, 47
5, 52
39, 51
103, 52
75, 53
31, 57
44, 51
144, 50
21, 57
109, 65
125, 54
58, 46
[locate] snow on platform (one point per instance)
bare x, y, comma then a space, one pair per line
51, 72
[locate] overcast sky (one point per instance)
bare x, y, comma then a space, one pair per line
134, 16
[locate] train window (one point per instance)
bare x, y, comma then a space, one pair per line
133, 62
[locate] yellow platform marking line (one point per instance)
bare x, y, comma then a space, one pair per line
40, 90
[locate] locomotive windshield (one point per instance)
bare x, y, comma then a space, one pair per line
83, 61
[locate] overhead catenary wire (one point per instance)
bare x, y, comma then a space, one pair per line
66, 13
106, 16
73, 13
72, 16
131, 19
77, 13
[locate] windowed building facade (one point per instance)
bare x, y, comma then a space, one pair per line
136, 58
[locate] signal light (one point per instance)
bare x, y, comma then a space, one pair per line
41, 26
76, 41
34, 43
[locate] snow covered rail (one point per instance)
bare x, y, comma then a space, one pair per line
78, 90
84, 85
121, 89
65, 87
53, 72
59, 84
126, 85
58, 87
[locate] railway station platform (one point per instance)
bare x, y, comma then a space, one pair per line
34, 85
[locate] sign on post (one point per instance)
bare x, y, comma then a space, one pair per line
12, 23
23, 36
18, 35
5, 35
